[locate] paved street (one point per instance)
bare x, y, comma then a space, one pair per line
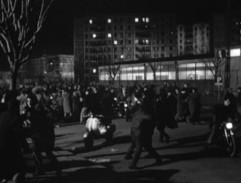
184, 160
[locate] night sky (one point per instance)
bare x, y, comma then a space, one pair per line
56, 37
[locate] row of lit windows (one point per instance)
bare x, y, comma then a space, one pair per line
109, 35
109, 20
193, 71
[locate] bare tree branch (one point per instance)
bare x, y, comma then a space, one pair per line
20, 22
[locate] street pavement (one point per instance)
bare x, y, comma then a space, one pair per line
185, 160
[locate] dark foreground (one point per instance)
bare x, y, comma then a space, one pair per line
184, 159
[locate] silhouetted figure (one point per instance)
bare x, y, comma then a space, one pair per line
142, 129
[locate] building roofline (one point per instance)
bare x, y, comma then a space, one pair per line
49, 56
178, 58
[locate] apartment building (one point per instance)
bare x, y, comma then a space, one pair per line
120, 38
193, 39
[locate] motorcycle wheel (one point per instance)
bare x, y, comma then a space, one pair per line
230, 142
89, 141
109, 137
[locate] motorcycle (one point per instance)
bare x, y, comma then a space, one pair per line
127, 110
98, 126
118, 109
227, 137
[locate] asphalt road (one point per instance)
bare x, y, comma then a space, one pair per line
184, 159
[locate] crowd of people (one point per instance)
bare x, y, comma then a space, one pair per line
47, 104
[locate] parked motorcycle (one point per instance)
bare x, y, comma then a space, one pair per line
98, 126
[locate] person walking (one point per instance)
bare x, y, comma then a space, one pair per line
43, 135
142, 128
162, 115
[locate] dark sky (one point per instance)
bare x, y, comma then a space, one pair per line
56, 36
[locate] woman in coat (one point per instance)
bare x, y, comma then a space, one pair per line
66, 103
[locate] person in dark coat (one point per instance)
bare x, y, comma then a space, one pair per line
43, 135
238, 102
75, 104
11, 135
182, 107
106, 105
162, 115
194, 106
142, 128
171, 109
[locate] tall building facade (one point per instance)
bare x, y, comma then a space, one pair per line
126, 48
193, 39
119, 38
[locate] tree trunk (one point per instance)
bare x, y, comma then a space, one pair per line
154, 76
13, 80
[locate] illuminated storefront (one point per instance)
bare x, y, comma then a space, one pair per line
165, 71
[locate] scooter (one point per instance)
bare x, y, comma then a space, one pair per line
98, 126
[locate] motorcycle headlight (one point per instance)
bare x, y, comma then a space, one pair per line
85, 135
229, 125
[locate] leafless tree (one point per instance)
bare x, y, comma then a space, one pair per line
154, 67
20, 22
215, 65
112, 71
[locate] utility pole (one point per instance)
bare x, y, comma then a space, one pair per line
228, 32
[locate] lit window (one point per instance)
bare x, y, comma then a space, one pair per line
147, 41
109, 20
94, 35
143, 19
191, 65
136, 19
122, 56
90, 21
200, 65
147, 19
235, 52
109, 35
115, 42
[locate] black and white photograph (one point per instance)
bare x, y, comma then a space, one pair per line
120, 91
